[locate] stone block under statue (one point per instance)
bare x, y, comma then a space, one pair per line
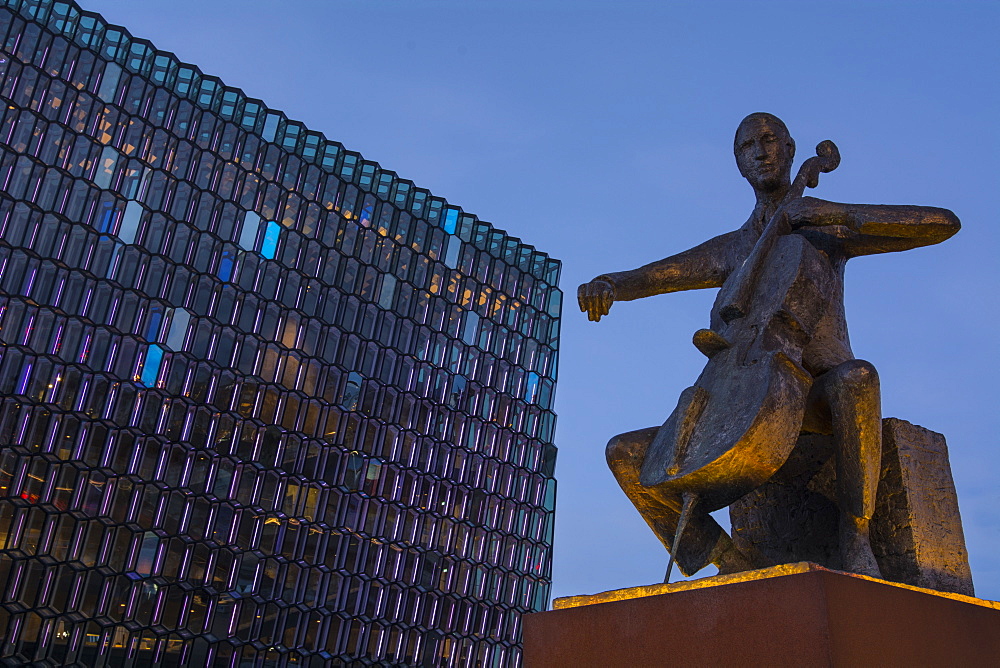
916, 530
791, 615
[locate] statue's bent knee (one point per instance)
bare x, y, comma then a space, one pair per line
857, 373
625, 452
619, 452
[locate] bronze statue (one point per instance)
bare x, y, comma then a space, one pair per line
780, 362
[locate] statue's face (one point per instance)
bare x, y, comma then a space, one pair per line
764, 153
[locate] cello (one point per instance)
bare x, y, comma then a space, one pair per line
736, 426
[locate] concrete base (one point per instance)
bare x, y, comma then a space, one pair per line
793, 615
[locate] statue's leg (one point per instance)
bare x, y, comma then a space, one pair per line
703, 541
852, 393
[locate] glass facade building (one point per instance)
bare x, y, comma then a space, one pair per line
263, 402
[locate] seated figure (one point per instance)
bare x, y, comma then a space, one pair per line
842, 404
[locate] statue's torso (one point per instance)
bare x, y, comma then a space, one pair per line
830, 344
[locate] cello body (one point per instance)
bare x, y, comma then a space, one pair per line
735, 427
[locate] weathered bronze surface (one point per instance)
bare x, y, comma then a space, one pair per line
780, 367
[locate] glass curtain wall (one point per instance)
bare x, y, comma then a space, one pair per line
262, 402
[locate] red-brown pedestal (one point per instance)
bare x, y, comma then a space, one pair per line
798, 615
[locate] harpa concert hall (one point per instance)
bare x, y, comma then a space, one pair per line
262, 402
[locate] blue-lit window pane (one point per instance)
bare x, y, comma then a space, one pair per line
155, 320
531, 390
270, 246
106, 219
451, 221
151, 366
226, 264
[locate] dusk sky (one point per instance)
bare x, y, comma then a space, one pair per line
601, 133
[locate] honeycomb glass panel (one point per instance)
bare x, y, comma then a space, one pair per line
262, 401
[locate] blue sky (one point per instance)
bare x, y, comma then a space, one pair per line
601, 132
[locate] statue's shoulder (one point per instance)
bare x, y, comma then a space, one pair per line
740, 242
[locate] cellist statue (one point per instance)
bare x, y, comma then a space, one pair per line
838, 393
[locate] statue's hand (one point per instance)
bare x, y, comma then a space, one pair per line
596, 298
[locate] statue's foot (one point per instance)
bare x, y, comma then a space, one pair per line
730, 559
856, 548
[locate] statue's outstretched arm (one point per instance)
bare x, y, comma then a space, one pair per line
877, 228
704, 266
887, 228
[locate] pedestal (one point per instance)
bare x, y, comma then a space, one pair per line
792, 615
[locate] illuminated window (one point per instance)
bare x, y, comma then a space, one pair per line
531, 388
151, 365
155, 320
269, 247
450, 221
226, 264
106, 217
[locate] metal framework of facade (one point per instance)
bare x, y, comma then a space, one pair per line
262, 402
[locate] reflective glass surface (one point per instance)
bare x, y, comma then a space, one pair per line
262, 402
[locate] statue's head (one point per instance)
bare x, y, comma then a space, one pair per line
764, 151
